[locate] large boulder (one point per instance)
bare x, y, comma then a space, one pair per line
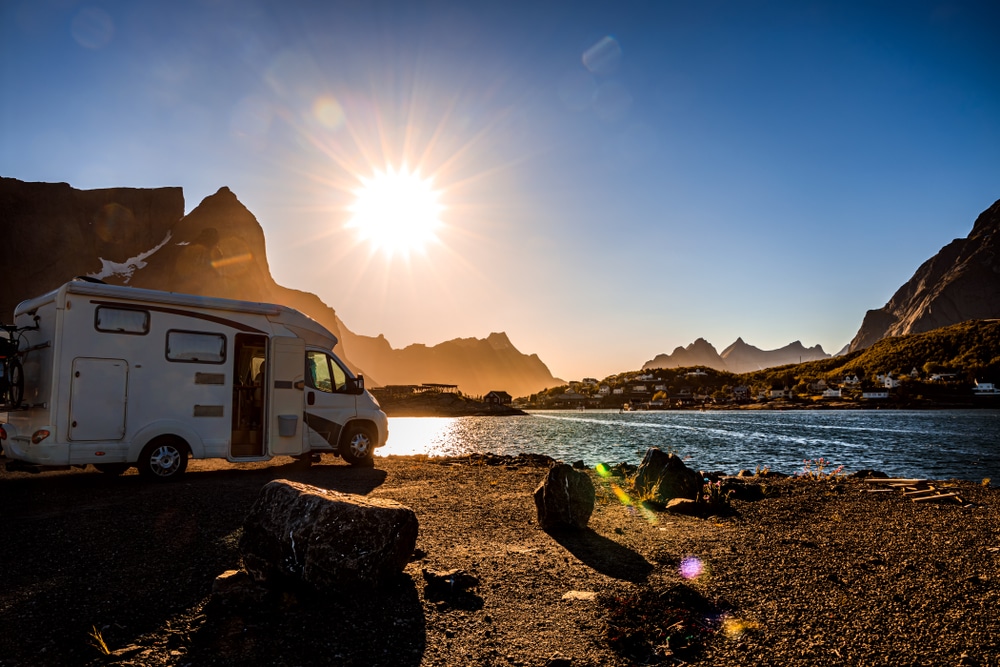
325, 539
662, 477
565, 498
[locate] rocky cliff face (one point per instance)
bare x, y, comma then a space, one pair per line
142, 238
737, 358
961, 282
53, 232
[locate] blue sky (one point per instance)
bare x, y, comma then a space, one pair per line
616, 179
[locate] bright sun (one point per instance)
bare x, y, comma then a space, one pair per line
396, 211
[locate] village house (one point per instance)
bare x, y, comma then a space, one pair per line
851, 380
875, 393
604, 390
985, 389
886, 380
570, 398
638, 389
832, 393
498, 398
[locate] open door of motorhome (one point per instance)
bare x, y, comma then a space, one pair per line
286, 430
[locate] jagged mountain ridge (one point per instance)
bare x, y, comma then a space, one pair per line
57, 232
482, 359
961, 282
739, 357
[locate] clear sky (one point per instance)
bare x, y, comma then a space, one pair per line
609, 180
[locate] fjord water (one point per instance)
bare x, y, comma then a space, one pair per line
934, 444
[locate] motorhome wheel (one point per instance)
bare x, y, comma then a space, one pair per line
164, 459
356, 446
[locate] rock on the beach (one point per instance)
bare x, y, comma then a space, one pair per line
664, 476
237, 587
683, 506
565, 498
325, 539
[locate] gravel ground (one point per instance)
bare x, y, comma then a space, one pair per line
812, 573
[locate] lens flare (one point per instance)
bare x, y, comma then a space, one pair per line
691, 568
622, 496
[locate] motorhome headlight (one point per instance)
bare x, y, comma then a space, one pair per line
3, 433
39, 435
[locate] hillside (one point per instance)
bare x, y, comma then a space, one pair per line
966, 352
971, 350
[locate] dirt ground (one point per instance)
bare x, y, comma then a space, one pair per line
808, 573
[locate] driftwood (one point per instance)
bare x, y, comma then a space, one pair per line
917, 490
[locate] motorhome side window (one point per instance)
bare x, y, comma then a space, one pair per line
121, 320
195, 347
323, 373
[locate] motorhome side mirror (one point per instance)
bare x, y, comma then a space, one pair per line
359, 384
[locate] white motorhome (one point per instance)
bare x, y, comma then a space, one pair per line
118, 376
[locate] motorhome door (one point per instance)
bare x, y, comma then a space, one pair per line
285, 374
98, 399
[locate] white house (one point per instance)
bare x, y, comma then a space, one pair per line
618, 391
985, 389
875, 393
832, 393
604, 390
851, 379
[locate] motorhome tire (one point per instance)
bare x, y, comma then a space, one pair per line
164, 459
356, 446
15, 388
112, 469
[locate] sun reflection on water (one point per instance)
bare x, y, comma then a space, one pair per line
433, 436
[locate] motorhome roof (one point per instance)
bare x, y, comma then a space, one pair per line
302, 325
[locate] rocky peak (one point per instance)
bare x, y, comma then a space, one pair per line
961, 282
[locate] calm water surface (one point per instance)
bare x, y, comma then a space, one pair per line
962, 444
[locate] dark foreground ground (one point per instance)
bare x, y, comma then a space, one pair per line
814, 573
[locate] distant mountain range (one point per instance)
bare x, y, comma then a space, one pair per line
142, 238
737, 358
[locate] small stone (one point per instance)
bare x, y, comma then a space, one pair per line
579, 595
